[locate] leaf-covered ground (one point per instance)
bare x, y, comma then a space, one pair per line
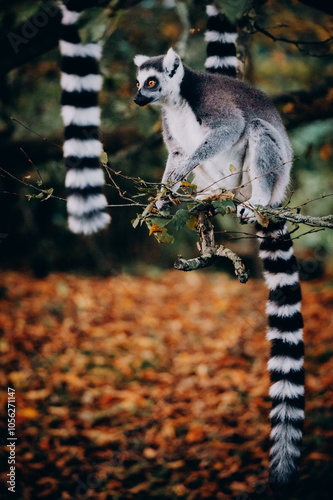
149, 388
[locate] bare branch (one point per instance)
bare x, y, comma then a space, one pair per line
43, 194
300, 44
304, 106
209, 252
240, 271
245, 29
325, 221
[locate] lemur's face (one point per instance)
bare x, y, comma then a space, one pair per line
149, 84
158, 78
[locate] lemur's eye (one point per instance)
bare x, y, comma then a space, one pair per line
138, 84
151, 83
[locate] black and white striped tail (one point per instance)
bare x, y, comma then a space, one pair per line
81, 82
287, 349
221, 44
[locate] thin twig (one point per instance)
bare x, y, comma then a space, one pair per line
297, 43
44, 191
35, 133
33, 165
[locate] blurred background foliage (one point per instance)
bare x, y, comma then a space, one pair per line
33, 232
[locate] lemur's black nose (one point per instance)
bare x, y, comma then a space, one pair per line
141, 100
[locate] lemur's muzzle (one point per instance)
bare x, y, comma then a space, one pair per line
142, 100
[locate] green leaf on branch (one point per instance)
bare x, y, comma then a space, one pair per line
224, 206
164, 237
48, 193
156, 226
181, 218
44, 195
192, 223
103, 157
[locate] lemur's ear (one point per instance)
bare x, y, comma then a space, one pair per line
171, 62
139, 60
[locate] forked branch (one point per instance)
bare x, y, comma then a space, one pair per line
209, 252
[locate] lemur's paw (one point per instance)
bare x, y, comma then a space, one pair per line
245, 213
175, 178
163, 205
180, 172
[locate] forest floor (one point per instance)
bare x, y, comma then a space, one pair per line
153, 388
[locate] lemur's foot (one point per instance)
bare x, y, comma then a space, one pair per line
246, 214
246, 211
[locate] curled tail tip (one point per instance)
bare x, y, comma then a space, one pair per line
280, 481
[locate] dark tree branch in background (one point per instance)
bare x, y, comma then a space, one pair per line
40, 33
303, 106
245, 29
322, 48
182, 11
119, 144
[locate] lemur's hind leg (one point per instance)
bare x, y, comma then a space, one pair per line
266, 159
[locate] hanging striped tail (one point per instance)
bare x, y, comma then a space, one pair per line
81, 82
287, 349
221, 44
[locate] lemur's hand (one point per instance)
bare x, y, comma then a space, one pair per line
164, 200
163, 205
179, 173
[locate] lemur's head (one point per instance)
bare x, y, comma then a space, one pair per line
158, 79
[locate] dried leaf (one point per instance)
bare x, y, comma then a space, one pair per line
155, 229
140, 387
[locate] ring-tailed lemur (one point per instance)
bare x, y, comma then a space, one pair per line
81, 82
230, 136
